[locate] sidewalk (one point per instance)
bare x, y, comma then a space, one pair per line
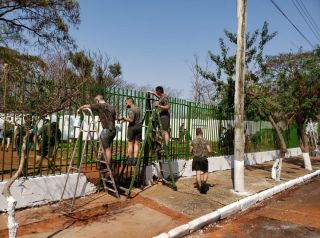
155, 210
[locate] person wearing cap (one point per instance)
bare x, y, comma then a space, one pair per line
199, 147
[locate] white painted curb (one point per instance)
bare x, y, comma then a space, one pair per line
200, 222
179, 231
163, 235
248, 201
232, 208
229, 209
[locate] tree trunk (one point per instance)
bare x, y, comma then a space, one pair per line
277, 166
283, 146
304, 143
12, 224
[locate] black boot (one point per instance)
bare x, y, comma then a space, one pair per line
134, 161
204, 188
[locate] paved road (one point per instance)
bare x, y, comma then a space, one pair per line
293, 214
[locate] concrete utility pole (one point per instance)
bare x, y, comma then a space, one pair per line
239, 98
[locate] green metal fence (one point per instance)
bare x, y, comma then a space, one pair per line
57, 130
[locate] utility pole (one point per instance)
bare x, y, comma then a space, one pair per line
239, 98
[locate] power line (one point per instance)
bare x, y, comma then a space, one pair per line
279, 9
306, 18
312, 19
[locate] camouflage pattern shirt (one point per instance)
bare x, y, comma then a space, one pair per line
134, 114
7, 126
199, 147
106, 113
164, 101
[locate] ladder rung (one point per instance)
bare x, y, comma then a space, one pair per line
112, 190
102, 161
72, 167
105, 171
88, 130
124, 189
106, 180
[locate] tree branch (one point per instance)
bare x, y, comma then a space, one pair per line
21, 25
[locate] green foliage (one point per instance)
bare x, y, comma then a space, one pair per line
82, 63
13, 57
115, 70
296, 79
46, 21
34, 85
225, 64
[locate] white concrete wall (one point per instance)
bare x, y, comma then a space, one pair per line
184, 167
41, 190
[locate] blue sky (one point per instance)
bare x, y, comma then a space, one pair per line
155, 40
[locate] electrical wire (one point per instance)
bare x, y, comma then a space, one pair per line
304, 37
312, 19
306, 18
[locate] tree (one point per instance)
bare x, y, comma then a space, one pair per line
263, 98
296, 78
25, 91
82, 63
107, 73
225, 64
260, 98
33, 81
34, 22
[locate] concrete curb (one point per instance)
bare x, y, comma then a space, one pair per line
232, 208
